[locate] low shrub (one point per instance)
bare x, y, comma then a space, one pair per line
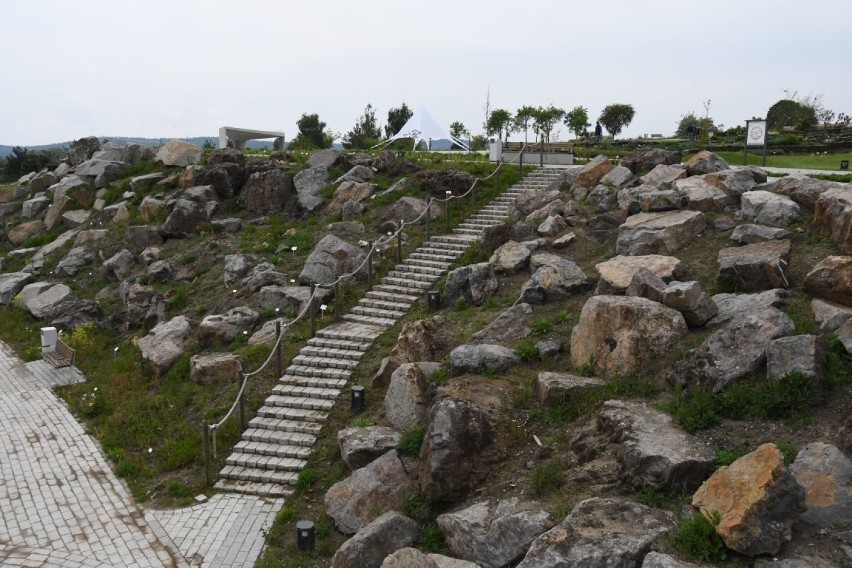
410, 442
697, 539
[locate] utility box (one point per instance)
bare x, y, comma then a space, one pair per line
495, 153
48, 339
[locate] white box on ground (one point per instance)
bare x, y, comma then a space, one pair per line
48, 339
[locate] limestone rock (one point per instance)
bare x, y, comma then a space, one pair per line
590, 174
332, 257
451, 462
600, 533
293, 298
325, 158
652, 449
376, 541
357, 174
510, 258
647, 160
553, 389
646, 284
701, 195
10, 284
552, 226
803, 354
756, 267
509, 325
705, 162
360, 446
220, 329
349, 191
475, 283
831, 280
382, 485
74, 261
767, 208
418, 341
165, 343
447, 562
617, 176
757, 500
826, 476
564, 241
178, 153
482, 358
406, 400
120, 264
493, 533
410, 208
409, 558
732, 305
620, 335
75, 218
215, 368
309, 185
663, 176
143, 306
139, 237
658, 233
145, 182
748, 234
804, 191
617, 272
264, 274
270, 191
736, 182
830, 316
83, 149
659, 560
554, 282
690, 299
833, 217
24, 231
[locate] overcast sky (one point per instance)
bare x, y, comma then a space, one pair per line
174, 68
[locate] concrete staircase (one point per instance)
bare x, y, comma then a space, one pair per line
278, 441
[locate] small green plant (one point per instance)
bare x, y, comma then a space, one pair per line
178, 490
527, 350
697, 539
652, 497
439, 376
287, 515
460, 305
363, 422
696, 412
306, 480
542, 326
546, 478
587, 369
724, 457
788, 450
409, 443
32, 353
418, 508
431, 539
563, 317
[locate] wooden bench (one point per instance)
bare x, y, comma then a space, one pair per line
62, 356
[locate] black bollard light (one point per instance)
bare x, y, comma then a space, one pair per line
433, 298
305, 536
358, 399
844, 164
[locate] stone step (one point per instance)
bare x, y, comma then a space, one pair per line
406, 267
279, 437
270, 490
291, 413
454, 247
351, 331
308, 392
490, 218
409, 283
321, 382
477, 226
260, 461
259, 475
429, 263
300, 402
369, 320
284, 425
322, 342
391, 296
322, 361
459, 241
317, 371
401, 307
413, 275
376, 312
317, 351
436, 255
267, 449
461, 231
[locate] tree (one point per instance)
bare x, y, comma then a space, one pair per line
545, 119
499, 120
616, 117
458, 130
397, 117
523, 118
365, 133
691, 125
790, 113
577, 121
312, 133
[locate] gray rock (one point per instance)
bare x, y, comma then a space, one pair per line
766, 208
95, 168
705, 162
803, 354
409, 558
646, 284
659, 560
482, 358
10, 209
701, 195
617, 176
195, 206
554, 282
658, 233
382, 485
419, 341
803, 190
552, 226
352, 210
447, 562
553, 389
831, 280
83, 149
474, 283
264, 274
732, 305
647, 160
509, 325
270, 191
74, 261
293, 298
68, 185
212, 368
165, 343
690, 299
143, 305
178, 153
826, 475
139, 237
652, 450
548, 348
60, 205
663, 176
830, 316
220, 329
34, 207
833, 217
376, 541
145, 182
149, 208
10, 284
748, 234
352, 227
357, 174
160, 272
229, 225
794, 562
30, 291
120, 265
406, 400
89, 236
756, 267
19, 234
360, 446
332, 257
600, 533
510, 258
111, 172
149, 255
309, 185
266, 334
410, 209
738, 181
349, 191
75, 218
493, 533
236, 265
451, 461
616, 273
564, 241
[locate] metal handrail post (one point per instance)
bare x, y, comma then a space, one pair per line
278, 362
205, 449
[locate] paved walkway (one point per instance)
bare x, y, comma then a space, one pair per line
62, 506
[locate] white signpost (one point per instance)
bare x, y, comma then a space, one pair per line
755, 136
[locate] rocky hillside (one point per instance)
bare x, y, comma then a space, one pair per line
649, 356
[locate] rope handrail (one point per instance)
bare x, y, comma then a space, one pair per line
374, 247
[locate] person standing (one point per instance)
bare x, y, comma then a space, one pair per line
598, 132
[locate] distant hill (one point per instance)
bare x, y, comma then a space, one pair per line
197, 140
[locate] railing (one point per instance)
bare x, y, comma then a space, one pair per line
208, 431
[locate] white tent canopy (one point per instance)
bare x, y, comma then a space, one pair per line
421, 126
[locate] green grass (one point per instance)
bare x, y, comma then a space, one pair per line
527, 350
409, 443
799, 161
546, 479
696, 538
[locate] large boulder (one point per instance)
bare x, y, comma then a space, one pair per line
309, 185
553, 389
757, 500
83, 149
437, 182
663, 176
324, 158
165, 343
510, 258
34, 207
332, 257
270, 191
701, 195
473, 283
826, 476
619, 335
143, 306
705, 162
493, 534
755, 267
553, 282
44, 305
264, 274
552, 226
407, 398
376, 541
18, 235
294, 298
120, 265
831, 279
451, 461
221, 329
139, 237
616, 273
617, 177
828, 315
482, 358
767, 208
411, 209
733, 305
690, 299
647, 160
349, 191
236, 265
749, 234
833, 217
357, 174
74, 261
509, 325
736, 182
646, 284
10, 284
382, 485
590, 175
802, 354
419, 341
658, 233
600, 533
732, 352
178, 153
215, 368
653, 451
360, 446
803, 190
